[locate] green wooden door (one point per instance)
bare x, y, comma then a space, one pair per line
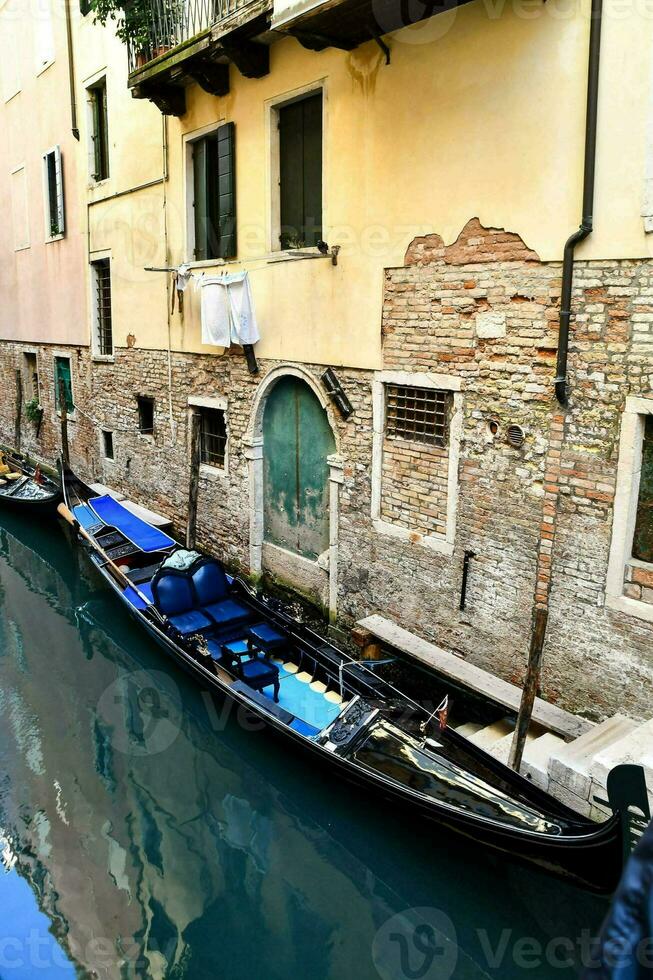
297, 439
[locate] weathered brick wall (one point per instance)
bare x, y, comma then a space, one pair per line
414, 486
538, 518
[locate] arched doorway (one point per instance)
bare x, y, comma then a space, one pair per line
297, 441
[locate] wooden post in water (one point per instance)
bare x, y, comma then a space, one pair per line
195, 457
531, 685
19, 409
63, 413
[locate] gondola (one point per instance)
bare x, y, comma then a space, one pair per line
245, 647
25, 487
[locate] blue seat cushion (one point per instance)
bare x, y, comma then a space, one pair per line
173, 594
267, 635
190, 622
236, 647
258, 671
210, 583
226, 612
215, 649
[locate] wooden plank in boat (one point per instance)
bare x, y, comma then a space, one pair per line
550, 716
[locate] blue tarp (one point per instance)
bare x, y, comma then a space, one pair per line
139, 532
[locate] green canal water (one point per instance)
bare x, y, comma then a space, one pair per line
146, 832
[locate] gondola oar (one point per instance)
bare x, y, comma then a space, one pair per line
117, 573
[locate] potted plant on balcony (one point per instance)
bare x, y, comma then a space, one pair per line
134, 25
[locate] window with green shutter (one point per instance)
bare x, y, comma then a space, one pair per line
214, 194
300, 172
97, 95
62, 372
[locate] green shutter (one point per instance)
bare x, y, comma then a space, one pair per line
300, 163
97, 140
226, 191
62, 372
201, 200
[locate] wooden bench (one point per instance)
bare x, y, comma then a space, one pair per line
446, 664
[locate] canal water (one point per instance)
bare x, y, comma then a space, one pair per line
147, 832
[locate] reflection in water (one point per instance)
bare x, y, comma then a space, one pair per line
162, 839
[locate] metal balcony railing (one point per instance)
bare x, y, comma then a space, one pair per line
157, 26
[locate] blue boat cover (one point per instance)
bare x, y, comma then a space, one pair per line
139, 532
85, 516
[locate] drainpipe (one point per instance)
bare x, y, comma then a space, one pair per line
587, 221
71, 72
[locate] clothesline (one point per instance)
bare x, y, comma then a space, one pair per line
288, 258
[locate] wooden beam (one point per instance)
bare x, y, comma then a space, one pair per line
212, 76
193, 489
251, 59
169, 99
19, 408
531, 685
63, 411
475, 678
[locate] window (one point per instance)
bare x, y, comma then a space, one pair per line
643, 537
417, 414
31, 376
53, 193
63, 374
11, 41
101, 286
43, 34
213, 437
107, 444
145, 415
300, 172
19, 212
214, 194
97, 96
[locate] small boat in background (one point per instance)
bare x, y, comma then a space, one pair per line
338, 711
26, 487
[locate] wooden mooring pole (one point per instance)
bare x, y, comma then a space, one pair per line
531, 685
63, 415
19, 409
195, 457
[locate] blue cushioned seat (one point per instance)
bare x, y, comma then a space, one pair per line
211, 590
267, 637
174, 597
259, 674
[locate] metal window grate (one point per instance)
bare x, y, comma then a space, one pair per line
417, 414
213, 441
103, 300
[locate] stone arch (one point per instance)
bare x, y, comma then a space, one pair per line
317, 577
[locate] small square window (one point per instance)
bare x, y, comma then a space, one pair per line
213, 437
417, 414
145, 415
107, 444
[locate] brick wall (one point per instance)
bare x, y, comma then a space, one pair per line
414, 486
538, 517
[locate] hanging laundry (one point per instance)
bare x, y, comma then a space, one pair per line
180, 279
228, 315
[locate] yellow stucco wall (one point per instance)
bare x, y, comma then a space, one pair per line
480, 114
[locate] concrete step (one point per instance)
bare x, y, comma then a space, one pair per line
635, 746
537, 757
468, 729
486, 737
501, 748
570, 766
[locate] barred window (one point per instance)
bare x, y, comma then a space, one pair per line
417, 414
213, 437
101, 270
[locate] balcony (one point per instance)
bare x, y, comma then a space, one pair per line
172, 43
